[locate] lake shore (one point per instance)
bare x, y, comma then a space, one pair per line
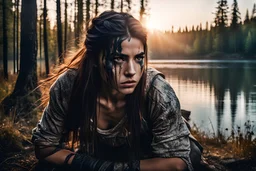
210, 56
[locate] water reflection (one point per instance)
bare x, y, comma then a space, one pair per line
221, 94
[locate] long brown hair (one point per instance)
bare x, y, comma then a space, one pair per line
82, 117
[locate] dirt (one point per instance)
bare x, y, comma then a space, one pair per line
25, 161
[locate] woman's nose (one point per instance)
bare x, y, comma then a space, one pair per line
130, 70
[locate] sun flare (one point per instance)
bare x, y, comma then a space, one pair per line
150, 25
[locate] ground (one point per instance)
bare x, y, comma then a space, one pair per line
17, 150
219, 159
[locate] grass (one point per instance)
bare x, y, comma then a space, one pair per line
233, 143
6, 86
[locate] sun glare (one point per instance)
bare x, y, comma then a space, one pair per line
150, 25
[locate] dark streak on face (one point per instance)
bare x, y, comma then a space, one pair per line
112, 50
141, 64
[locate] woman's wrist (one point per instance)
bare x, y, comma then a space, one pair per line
68, 159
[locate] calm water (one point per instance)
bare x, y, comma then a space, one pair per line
219, 94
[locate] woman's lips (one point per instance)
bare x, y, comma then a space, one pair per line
128, 84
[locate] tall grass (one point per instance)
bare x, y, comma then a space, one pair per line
238, 142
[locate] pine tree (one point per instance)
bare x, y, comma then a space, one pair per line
88, 9
221, 22
234, 40
96, 7
45, 37
25, 88
253, 17
5, 41
59, 28
235, 20
221, 19
112, 5
246, 20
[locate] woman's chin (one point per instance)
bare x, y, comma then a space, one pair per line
126, 91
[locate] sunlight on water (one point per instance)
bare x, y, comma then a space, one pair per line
219, 94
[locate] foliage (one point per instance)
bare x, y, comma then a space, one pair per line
6, 87
237, 143
221, 18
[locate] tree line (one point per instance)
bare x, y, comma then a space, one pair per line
32, 39
54, 40
229, 35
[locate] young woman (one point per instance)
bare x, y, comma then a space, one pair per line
112, 111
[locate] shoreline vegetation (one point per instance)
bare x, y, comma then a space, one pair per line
224, 151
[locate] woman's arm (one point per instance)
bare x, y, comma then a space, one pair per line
163, 164
170, 134
50, 129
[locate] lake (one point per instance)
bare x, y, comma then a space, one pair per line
219, 93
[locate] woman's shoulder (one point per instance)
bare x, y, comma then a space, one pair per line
65, 80
158, 89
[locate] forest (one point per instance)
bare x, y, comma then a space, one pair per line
36, 39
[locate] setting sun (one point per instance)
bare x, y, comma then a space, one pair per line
150, 25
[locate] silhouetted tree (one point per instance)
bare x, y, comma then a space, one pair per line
40, 36
121, 5
17, 34
46, 57
20, 98
80, 19
221, 22
253, 17
235, 42
88, 9
221, 18
96, 7
235, 20
112, 5
247, 19
14, 35
5, 41
65, 28
59, 30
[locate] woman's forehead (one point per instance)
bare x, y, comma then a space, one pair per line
132, 46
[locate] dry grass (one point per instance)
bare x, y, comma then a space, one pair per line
6, 86
233, 143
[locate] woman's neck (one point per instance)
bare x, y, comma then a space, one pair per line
111, 108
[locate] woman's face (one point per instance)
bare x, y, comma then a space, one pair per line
129, 65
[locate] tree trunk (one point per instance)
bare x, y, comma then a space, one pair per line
46, 58
14, 36
122, 6
18, 32
88, 4
40, 40
59, 34
142, 11
23, 96
75, 25
80, 19
65, 29
96, 7
112, 5
5, 42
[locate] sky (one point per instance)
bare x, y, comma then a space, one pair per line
179, 13
163, 14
